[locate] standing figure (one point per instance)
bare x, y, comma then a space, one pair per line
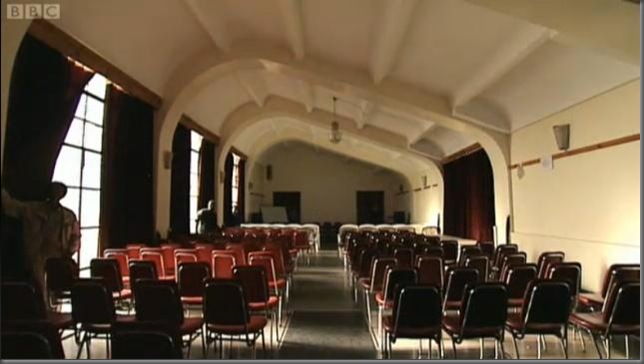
49, 230
207, 219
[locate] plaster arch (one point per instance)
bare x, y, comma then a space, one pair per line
199, 71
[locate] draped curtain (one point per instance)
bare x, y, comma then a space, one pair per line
469, 197
206, 173
180, 182
127, 214
228, 190
44, 91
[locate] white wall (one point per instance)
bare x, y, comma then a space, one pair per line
327, 182
589, 205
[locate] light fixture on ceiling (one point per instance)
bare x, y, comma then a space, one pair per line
335, 136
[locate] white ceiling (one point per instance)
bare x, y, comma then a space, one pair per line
502, 71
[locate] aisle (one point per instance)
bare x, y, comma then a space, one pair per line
325, 323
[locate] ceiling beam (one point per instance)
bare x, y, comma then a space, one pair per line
426, 131
520, 46
294, 25
367, 111
307, 94
255, 87
212, 22
395, 18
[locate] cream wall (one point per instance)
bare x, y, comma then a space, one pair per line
327, 182
589, 205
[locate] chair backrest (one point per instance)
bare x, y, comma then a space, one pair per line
21, 301
366, 261
487, 248
378, 271
485, 305
480, 263
623, 305
253, 281
141, 269
224, 303
417, 307
222, 264
32, 339
547, 258
267, 262
204, 252
569, 272
134, 251
430, 271
546, 302
145, 340
501, 251
467, 251
239, 251
457, 279
184, 256
399, 277
404, 257
434, 251
109, 270
278, 260
155, 256
509, 260
61, 273
158, 301
191, 277
627, 272
121, 257
167, 250
450, 250
517, 279
92, 302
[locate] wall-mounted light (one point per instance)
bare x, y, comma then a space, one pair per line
562, 136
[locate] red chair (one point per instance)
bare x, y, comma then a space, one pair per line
276, 285
134, 250
167, 250
156, 256
240, 253
184, 256
121, 257
204, 252
223, 262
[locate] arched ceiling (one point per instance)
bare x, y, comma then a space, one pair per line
499, 71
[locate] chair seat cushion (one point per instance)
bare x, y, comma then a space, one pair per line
409, 332
192, 300
515, 320
107, 328
452, 326
515, 302
590, 299
124, 293
190, 325
60, 320
272, 302
594, 322
452, 305
380, 299
281, 284
364, 282
256, 324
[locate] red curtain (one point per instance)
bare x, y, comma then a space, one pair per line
469, 197
180, 182
127, 214
44, 91
206, 173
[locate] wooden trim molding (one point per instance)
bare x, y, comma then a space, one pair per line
461, 153
192, 124
590, 148
70, 47
239, 152
418, 189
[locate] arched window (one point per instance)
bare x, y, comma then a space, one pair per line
79, 165
195, 147
234, 206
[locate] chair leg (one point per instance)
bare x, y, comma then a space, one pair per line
429, 350
563, 347
87, 346
189, 347
368, 302
263, 345
543, 340
420, 348
481, 348
107, 346
516, 347
380, 308
607, 345
626, 348
441, 348
203, 343
538, 346
230, 347
581, 337
391, 347
80, 346
596, 345
502, 349
454, 348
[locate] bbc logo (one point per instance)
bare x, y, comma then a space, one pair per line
33, 11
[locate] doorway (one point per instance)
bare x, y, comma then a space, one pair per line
291, 202
370, 207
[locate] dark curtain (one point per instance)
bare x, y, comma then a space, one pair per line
180, 182
228, 190
44, 91
127, 206
241, 197
469, 197
206, 173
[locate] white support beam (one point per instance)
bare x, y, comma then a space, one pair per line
426, 131
521, 44
307, 94
211, 19
254, 86
292, 13
367, 111
395, 18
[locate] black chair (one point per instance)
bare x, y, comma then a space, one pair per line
468, 251
404, 257
375, 283
480, 263
517, 279
547, 258
416, 315
226, 313
545, 311
363, 268
385, 298
457, 279
430, 271
483, 315
108, 269
510, 260
569, 272
497, 257
135, 340
31, 339
60, 275
450, 251
615, 274
190, 278
159, 301
620, 315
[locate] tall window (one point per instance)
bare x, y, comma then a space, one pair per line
235, 184
79, 165
195, 146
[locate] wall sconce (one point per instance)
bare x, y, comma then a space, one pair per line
167, 159
520, 171
562, 136
424, 181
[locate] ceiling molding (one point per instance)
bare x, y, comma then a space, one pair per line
395, 18
255, 87
462, 153
427, 130
212, 22
367, 112
294, 25
307, 94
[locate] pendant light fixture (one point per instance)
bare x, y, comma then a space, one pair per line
336, 135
